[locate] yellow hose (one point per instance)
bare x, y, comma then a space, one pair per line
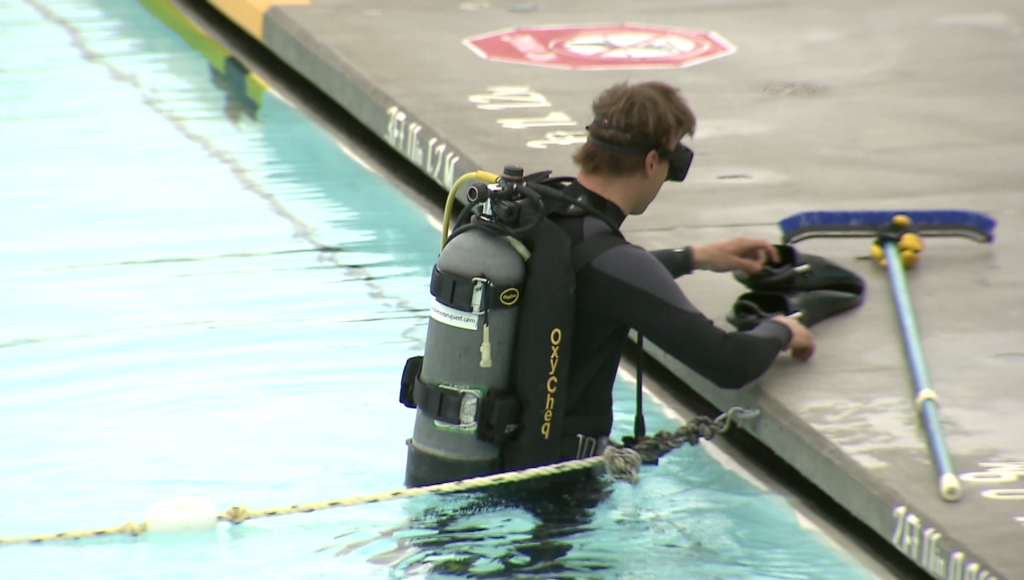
450, 203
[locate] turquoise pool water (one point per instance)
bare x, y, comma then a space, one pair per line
199, 300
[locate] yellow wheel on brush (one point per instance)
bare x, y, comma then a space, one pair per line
910, 242
901, 220
878, 254
909, 258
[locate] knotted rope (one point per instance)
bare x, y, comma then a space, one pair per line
621, 462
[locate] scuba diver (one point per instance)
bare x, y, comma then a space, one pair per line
634, 147
529, 322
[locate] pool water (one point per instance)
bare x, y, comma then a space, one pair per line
202, 297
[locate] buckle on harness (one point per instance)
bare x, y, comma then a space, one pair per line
467, 407
456, 406
494, 416
475, 294
499, 417
478, 302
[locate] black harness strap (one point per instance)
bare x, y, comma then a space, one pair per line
496, 414
439, 403
457, 292
435, 402
542, 348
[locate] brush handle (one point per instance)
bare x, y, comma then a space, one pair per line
925, 398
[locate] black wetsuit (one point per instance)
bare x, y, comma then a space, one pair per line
628, 287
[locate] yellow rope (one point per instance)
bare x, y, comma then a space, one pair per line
239, 514
129, 529
620, 462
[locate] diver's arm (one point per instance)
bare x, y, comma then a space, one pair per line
638, 292
678, 261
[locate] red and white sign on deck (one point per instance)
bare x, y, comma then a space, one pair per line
603, 47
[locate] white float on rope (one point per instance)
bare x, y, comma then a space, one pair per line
181, 514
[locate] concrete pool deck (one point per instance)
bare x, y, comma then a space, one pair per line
801, 106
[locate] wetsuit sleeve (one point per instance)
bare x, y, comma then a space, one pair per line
638, 291
678, 261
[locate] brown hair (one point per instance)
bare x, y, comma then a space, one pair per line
641, 114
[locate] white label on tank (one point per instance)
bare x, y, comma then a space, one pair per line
453, 316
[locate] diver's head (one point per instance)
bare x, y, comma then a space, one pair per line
635, 143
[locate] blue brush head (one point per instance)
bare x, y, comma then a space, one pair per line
969, 224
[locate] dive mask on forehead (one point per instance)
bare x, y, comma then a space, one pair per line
679, 159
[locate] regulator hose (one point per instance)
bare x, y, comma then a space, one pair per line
484, 176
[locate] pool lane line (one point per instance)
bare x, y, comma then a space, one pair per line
302, 230
329, 253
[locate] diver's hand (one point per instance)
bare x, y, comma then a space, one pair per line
801, 345
744, 254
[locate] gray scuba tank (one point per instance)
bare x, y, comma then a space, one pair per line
456, 360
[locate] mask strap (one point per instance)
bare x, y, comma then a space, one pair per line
640, 149
617, 148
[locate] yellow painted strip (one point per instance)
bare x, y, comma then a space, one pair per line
249, 13
188, 31
255, 86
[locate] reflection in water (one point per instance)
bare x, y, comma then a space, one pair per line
236, 103
519, 530
687, 518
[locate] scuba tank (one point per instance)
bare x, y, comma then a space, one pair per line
486, 390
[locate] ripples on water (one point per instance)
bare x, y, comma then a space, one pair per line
202, 299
